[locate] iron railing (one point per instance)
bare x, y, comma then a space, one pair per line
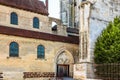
109, 71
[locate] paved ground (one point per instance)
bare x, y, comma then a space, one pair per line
67, 78
64, 78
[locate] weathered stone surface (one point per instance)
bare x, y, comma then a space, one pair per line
27, 60
80, 71
102, 12
12, 75
13, 68
25, 20
93, 21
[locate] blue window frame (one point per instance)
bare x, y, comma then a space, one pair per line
40, 52
14, 18
14, 49
35, 22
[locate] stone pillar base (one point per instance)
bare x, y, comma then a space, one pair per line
84, 71
80, 71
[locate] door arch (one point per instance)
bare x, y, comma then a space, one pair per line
64, 63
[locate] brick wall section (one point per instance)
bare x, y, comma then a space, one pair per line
38, 74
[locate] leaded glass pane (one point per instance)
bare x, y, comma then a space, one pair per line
35, 22
14, 49
40, 51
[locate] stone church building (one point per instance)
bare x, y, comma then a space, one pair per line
30, 46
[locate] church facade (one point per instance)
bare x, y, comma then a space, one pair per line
30, 46
33, 49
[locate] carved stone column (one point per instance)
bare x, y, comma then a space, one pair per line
85, 11
84, 67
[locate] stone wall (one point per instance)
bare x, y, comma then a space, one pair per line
61, 30
91, 25
102, 12
25, 20
27, 76
13, 67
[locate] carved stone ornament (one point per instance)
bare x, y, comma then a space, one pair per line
63, 58
92, 1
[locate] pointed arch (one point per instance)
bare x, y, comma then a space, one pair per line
64, 61
67, 52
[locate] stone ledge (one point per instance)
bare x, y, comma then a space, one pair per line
13, 57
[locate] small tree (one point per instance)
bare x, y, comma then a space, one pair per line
107, 46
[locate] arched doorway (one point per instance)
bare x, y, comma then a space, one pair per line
64, 64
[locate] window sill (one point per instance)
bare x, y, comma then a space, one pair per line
13, 57
41, 59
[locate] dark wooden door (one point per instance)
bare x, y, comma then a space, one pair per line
62, 70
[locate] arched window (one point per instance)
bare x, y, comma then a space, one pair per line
36, 22
14, 49
40, 51
14, 18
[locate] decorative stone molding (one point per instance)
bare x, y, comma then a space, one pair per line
87, 2
64, 53
63, 59
85, 11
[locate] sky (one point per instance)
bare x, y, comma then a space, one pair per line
54, 8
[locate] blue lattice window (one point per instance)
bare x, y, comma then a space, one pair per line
14, 49
35, 22
40, 51
14, 18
